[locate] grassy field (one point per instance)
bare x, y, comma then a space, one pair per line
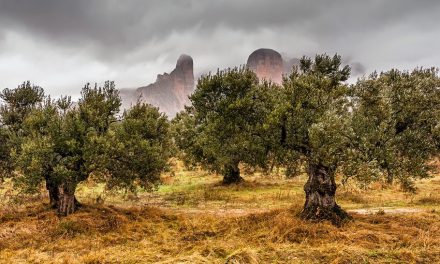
193, 219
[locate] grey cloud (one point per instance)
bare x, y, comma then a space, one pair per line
118, 25
130, 38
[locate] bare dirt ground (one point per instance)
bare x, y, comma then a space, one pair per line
239, 212
366, 211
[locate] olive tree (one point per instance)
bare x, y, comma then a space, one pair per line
225, 124
314, 119
58, 145
64, 145
383, 127
396, 119
136, 150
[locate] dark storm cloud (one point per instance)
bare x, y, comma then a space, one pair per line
128, 24
116, 36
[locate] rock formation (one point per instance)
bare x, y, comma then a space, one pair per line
170, 91
267, 64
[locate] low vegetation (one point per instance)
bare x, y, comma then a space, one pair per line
192, 218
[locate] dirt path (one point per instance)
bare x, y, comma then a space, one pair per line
232, 212
238, 212
389, 210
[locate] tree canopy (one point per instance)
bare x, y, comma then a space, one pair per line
395, 117
136, 150
17, 105
314, 119
61, 145
225, 125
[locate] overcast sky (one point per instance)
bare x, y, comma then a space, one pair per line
62, 44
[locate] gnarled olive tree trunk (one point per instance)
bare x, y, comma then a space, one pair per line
52, 188
67, 203
320, 192
232, 174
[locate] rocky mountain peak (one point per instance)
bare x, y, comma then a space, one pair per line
185, 62
267, 64
169, 92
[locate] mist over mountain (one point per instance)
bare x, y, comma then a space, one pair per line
170, 92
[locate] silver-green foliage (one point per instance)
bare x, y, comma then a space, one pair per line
395, 122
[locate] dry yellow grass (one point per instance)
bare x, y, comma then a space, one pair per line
192, 219
102, 234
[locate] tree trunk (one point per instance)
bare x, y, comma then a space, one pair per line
320, 192
52, 188
232, 174
390, 177
67, 203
